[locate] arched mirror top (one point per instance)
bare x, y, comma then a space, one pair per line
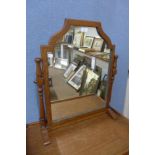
84, 27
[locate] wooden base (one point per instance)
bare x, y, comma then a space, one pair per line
97, 135
112, 113
64, 123
45, 132
77, 119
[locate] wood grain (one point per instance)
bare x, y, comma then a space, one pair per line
99, 135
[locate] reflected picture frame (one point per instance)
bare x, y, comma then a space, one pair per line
78, 39
71, 68
97, 44
50, 59
76, 80
61, 63
88, 41
90, 82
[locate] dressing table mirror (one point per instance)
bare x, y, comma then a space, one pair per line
75, 73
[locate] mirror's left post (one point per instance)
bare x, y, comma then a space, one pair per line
39, 82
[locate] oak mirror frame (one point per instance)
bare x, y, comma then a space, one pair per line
46, 117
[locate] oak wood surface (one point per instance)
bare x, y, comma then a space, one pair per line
99, 135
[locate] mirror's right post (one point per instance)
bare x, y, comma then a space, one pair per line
110, 110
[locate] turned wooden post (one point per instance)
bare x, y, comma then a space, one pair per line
113, 73
39, 82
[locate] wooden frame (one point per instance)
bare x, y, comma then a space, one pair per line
50, 47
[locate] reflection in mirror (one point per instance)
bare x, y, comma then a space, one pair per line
79, 65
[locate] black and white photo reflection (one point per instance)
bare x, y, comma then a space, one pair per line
78, 65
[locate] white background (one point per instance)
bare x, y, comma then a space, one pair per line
13, 77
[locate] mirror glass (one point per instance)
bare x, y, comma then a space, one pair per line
78, 66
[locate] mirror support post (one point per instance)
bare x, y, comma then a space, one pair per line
110, 110
39, 82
